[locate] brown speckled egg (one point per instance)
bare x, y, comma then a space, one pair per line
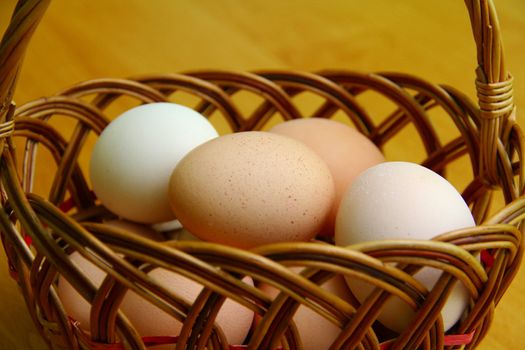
251, 188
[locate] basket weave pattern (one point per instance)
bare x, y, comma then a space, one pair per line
69, 218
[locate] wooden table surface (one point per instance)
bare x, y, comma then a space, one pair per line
79, 40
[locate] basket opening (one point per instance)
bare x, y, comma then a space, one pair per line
85, 155
377, 105
121, 104
44, 163
442, 122
63, 124
276, 118
246, 102
455, 172
497, 202
220, 123
407, 138
215, 116
184, 98
307, 103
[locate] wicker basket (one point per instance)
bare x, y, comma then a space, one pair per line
39, 233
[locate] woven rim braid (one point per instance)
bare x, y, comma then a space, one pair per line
39, 233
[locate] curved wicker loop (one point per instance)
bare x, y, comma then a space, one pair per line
231, 82
409, 108
312, 256
35, 130
207, 91
325, 87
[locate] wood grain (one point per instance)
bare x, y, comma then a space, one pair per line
80, 40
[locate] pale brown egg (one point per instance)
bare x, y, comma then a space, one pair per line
75, 305
251, 188
316, 332
234, 319
346, 152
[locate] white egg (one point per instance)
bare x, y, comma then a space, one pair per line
135, 155
401, 200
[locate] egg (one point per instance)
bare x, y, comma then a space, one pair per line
133, 158
251, 188
234, 319
316, 332
75, 305
346, 151
402, 200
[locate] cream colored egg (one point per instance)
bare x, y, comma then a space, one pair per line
252, 188
346, 151
316, 332
401, 200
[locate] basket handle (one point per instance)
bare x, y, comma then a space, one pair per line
493, 85
25, 19
493, 82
